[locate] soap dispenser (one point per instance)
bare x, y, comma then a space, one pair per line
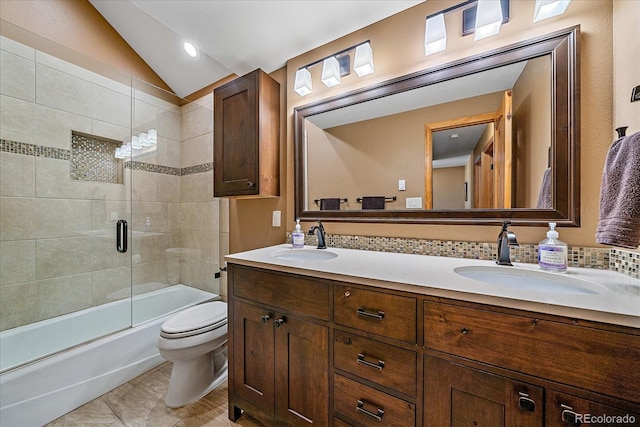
297, 237
552, 252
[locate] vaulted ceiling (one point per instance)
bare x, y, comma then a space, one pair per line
234, 36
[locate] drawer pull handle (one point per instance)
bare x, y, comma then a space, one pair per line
570, 417
264, 319
280, 321
364, 313
377, 417
526, 403
464, 331
361, 360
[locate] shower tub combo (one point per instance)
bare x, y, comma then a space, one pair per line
36, 393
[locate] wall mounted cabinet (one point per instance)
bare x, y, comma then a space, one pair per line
246, 137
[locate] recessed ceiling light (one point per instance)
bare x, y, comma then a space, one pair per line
190, 49
454, 136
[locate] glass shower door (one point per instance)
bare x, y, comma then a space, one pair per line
62, 193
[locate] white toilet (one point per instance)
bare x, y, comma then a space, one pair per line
195, 340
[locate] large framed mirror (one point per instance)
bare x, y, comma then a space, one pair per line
483, 139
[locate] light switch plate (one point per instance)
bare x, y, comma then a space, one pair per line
275, 219
402, 186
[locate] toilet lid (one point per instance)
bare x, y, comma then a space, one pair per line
197, 319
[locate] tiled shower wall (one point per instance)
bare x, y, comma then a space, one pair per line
57, 235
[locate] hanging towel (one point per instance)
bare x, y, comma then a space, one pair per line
373, 202
330, 204
619, 223
545, 201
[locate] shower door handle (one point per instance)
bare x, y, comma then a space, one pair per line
121, 236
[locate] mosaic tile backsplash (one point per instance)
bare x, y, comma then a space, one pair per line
603, 258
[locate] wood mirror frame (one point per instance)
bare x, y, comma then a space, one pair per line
562, 46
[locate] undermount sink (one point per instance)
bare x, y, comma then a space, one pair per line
304, 254
530, 280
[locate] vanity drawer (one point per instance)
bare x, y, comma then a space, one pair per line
603, 361
383, 314
369, 406
286, 292
381, 363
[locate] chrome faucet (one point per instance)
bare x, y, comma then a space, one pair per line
321, 240
505, 239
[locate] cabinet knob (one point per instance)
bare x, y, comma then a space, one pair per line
280, 321
251, 184
464, 331
265, 318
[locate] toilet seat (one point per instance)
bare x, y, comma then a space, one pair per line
196, 320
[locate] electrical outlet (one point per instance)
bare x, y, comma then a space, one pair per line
275, 219
414, 202
402, 186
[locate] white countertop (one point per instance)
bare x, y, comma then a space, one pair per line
618, 300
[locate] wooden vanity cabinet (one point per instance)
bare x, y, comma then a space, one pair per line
325, 352
246, 137
279, 358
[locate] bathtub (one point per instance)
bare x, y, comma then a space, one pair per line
40, 392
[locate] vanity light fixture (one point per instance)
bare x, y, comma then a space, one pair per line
336, 66
302, 85
139, 143
435, 34
549, 8
330, 72
483, 18
363, 63
488, 19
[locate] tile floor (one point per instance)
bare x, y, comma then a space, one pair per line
140, 402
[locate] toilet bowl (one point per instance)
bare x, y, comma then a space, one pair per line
195, 340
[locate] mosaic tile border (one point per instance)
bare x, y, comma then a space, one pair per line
23, 148
15, 147
624, 262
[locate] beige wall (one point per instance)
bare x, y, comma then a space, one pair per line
531, 132
397, 44
626, 45
449, 193
77, 25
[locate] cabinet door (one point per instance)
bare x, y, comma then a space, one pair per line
253, 363
564, 410
302, 372
459, 396
236, 138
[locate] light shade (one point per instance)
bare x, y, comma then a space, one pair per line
302, 84
549, 8
153, 136
435, 35
488, 19
330, 72
363, 63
